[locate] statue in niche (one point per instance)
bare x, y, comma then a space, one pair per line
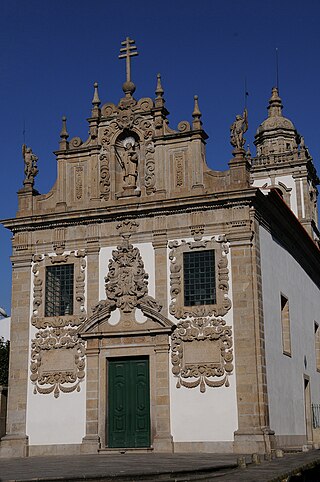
30, 165
129, 162
237, 130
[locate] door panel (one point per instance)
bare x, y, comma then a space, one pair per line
128, 402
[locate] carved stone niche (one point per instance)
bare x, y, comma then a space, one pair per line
201, 353
57, 351
223, 302
128, 164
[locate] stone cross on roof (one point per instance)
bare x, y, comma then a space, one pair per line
130, 51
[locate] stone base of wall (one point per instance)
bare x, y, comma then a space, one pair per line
250, 443
61, 449
14, 446
203, 447
291, 441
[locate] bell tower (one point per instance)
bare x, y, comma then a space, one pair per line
284, 163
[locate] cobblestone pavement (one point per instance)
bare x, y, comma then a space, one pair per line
152, 467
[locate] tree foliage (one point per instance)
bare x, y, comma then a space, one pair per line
4, 361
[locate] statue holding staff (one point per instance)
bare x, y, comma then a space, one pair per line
30, 165
237, 130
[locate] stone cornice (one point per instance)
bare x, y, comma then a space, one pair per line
158, 207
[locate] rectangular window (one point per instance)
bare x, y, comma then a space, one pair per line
285, 323
199, 278
59, 290
317, 345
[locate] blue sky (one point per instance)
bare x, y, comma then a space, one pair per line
52, 51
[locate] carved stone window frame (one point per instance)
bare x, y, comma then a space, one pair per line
177, 307
40, 263
57, 352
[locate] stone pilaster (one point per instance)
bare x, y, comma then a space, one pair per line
15, 442
253, 434
163, 440
91, 440
160, 253
92, 250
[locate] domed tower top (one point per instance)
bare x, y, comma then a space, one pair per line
276, 134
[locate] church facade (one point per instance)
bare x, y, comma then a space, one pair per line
161, 305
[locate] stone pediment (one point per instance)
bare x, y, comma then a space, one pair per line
99, 323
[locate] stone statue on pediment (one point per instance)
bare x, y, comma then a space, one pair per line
30, 165
237, 130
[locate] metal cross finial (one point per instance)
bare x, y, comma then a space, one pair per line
130, 51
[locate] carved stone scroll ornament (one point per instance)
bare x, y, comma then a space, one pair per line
150, 178
57, 361
147, 129
126, 282
104, 158
201, 353
223, 302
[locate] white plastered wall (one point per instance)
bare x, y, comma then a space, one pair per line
203, 417
288, 181
54, 420
281, 274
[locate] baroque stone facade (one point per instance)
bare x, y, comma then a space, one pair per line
133, 212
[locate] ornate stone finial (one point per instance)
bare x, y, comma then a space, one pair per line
30, 165
196, 114
237, 129
130, 50
64, 144
96, 101
159, 89
275, 104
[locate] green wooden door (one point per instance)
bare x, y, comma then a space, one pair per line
128, 402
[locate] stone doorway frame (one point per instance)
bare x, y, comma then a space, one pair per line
104, 341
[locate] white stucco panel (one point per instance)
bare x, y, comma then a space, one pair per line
53, 420
211, 416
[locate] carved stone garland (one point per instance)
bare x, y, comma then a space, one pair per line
57, 352
201, 351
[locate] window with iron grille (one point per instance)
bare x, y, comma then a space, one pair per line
59, 290
199, 278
